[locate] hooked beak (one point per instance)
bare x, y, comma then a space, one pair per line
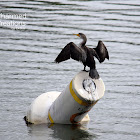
77, 34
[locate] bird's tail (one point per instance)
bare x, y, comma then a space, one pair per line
94, 74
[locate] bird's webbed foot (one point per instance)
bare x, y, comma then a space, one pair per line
85, 69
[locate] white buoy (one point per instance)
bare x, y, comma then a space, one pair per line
69, 106
37, 112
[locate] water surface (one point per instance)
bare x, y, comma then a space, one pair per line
27, 69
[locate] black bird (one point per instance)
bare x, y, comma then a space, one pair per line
84, 54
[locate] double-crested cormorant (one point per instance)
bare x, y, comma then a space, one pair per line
84, 54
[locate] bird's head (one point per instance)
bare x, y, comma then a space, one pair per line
82, 36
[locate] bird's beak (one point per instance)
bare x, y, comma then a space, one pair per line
77, 34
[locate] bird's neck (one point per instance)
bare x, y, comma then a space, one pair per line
83, 42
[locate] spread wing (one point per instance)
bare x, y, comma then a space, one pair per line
101, 51
69, 51
94, 53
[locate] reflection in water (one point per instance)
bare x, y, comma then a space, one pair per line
59, 131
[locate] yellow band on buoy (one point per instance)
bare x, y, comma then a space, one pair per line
75, 96
50, 118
